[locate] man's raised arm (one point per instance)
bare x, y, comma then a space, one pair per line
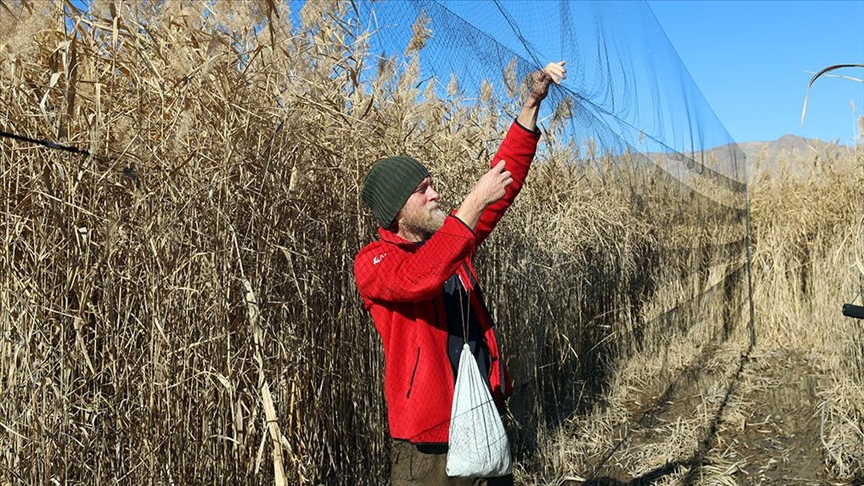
514, 157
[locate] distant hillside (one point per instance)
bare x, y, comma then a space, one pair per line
799, 155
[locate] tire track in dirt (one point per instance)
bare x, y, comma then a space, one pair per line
756, 422
775, 435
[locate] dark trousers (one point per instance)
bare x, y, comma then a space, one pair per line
426, 465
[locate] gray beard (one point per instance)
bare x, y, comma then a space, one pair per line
429, 224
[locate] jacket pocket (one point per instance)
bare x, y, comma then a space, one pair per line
413, 374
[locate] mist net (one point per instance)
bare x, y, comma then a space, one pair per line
630, 236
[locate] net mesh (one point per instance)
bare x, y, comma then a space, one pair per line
668, 265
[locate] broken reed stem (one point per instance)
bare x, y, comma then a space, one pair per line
275, 435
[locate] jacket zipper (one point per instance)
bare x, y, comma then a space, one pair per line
413, 374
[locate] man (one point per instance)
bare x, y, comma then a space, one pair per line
419, 285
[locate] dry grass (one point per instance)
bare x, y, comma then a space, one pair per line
808, 240
807, 253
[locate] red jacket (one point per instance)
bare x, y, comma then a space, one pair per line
402, 287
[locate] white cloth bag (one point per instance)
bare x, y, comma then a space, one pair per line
478, 442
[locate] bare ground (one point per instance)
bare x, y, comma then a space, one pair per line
748, 420
778, 440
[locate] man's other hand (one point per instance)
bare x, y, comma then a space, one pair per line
489, 190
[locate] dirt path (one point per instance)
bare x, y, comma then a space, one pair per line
750, 420
778, 439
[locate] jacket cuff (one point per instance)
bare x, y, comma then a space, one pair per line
535, 133
463, 225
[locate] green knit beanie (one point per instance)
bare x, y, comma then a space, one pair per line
389, 184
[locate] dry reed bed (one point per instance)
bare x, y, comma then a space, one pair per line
807, 263
180, 307
807, 233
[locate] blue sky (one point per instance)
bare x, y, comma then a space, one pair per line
752, 60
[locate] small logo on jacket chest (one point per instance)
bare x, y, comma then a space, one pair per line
377, 259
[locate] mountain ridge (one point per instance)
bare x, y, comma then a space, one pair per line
796, 155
